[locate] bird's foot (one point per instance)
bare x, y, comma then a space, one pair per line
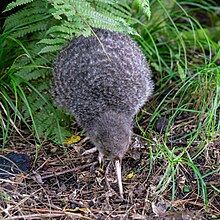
100, 157
90, 151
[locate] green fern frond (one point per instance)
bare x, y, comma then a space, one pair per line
37, 27
53, 48
25, 16
30, 73
58, 135
17, 3
78, 16
30, 17
144, 6
115, 8
47, 120
36, 102
63, 29
30, 68
53, 41
92, 15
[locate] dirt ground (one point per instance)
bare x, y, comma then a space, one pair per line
64, 184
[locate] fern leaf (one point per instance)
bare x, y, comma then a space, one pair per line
116, 8
30, 74
46, 119
26, 70
62, 28
27, 16
40, 26
16, 3
144, 5
53, 41
51, 49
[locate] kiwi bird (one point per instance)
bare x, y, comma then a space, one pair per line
103, 80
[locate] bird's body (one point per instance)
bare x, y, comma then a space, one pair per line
103, 81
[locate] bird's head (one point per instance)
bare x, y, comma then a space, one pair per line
111, 134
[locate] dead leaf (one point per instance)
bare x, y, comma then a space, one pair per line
129, 176
72, 139
160, 207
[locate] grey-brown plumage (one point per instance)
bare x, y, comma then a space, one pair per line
103, 88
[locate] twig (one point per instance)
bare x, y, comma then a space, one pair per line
35, 216
70, 170
56, 212
48, 215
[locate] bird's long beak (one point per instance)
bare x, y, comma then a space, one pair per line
118, 173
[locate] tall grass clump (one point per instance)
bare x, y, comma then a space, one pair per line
186, 56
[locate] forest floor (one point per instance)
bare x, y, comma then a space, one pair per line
64, 184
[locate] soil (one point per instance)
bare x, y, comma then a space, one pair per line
65, 184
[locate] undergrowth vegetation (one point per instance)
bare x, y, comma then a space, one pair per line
30, 36
183, 52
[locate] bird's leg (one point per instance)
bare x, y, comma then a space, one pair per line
101, 156
101, 161
118, 173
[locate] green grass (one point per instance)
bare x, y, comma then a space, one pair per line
185, 55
